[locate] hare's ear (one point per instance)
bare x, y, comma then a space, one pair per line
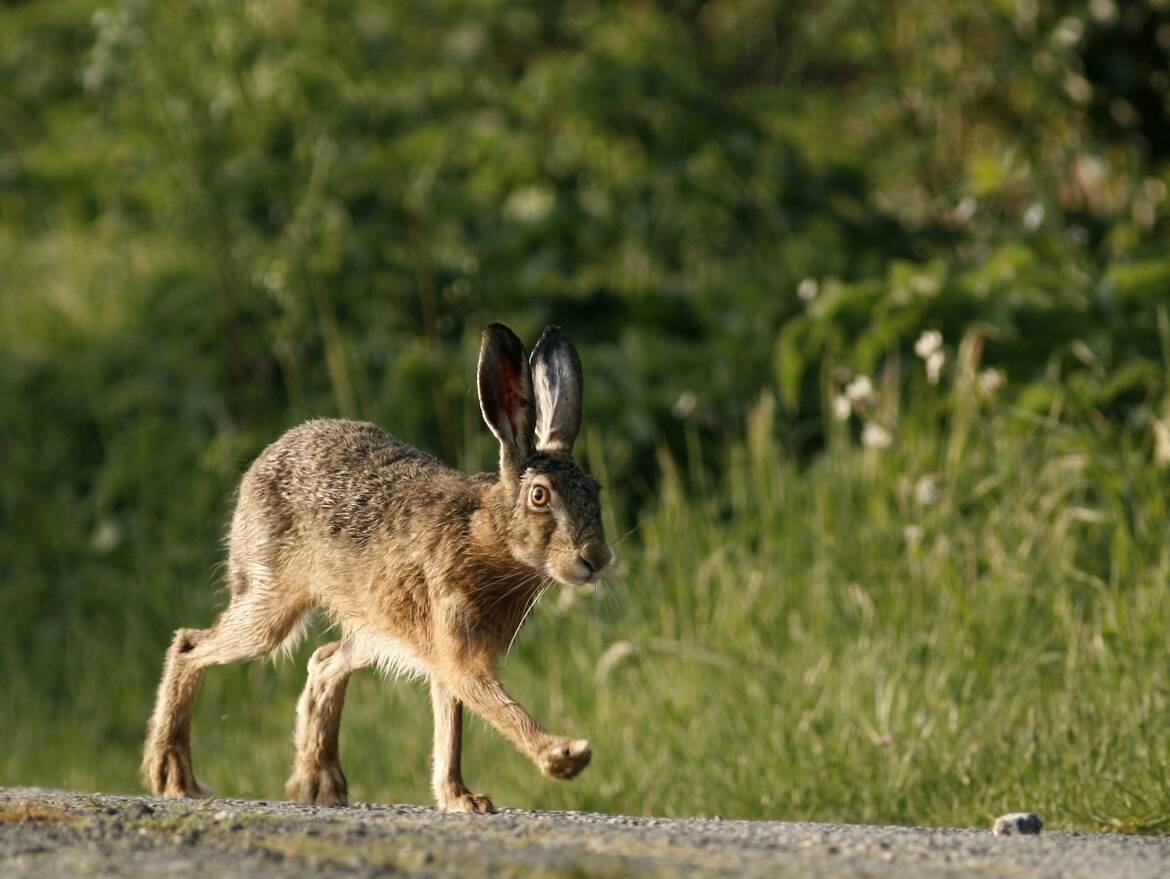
505, 396
557, 380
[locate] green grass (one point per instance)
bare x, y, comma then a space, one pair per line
969, 622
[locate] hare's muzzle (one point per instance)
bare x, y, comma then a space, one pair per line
592, 559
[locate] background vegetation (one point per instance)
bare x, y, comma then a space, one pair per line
873, 303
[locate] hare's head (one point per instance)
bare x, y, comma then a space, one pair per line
534, 409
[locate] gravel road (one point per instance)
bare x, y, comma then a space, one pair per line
51, 833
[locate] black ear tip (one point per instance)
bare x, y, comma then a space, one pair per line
552, 337
501, 335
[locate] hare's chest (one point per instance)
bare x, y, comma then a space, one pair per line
393, 656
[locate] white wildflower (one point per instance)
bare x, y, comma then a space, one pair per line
965, 209
106, 536
685, 404
842, 408
1034, 216
929, 342
1068, 32
874, 436
860, 389
934, 365
1078, 88
913, 534
1105, 11
1161, 443
926, 491
990, 381
808, 289
530, 204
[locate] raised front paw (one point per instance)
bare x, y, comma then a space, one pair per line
168, 773
475, 804
564, 758
321, 786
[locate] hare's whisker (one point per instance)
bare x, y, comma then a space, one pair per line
637, 525
513, 587
539, 595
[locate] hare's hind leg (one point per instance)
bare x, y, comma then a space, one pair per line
451, 793
166, 760
317, 776
254, 624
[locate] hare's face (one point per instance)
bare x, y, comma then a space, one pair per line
556, 521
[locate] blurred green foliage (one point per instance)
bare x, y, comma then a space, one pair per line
220, 218
323, 201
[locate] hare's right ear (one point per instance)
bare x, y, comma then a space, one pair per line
556, 377
505, 396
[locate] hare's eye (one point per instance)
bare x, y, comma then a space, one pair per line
539, 496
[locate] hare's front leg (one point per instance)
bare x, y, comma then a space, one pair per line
555, 756
451, 794
317, 776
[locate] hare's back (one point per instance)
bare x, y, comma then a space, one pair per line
342, 477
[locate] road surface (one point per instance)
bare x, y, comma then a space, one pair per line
51, 833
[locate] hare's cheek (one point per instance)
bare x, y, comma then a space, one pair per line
530, 536
561, 546
546, 533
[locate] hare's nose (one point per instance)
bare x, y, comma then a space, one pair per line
595, 557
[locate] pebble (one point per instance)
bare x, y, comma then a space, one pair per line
1025, 823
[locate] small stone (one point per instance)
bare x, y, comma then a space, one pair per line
1025, 823
221, 815
139, 810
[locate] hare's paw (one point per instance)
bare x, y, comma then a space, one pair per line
321, 786
168, 773
564, 758
474, 804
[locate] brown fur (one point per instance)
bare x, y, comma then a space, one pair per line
423, 569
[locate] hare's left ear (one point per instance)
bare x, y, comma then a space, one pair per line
557, 383
505, 396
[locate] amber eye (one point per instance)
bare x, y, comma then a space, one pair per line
539, 496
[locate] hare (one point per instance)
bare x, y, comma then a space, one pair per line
424, 570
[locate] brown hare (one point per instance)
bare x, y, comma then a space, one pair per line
423, 570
